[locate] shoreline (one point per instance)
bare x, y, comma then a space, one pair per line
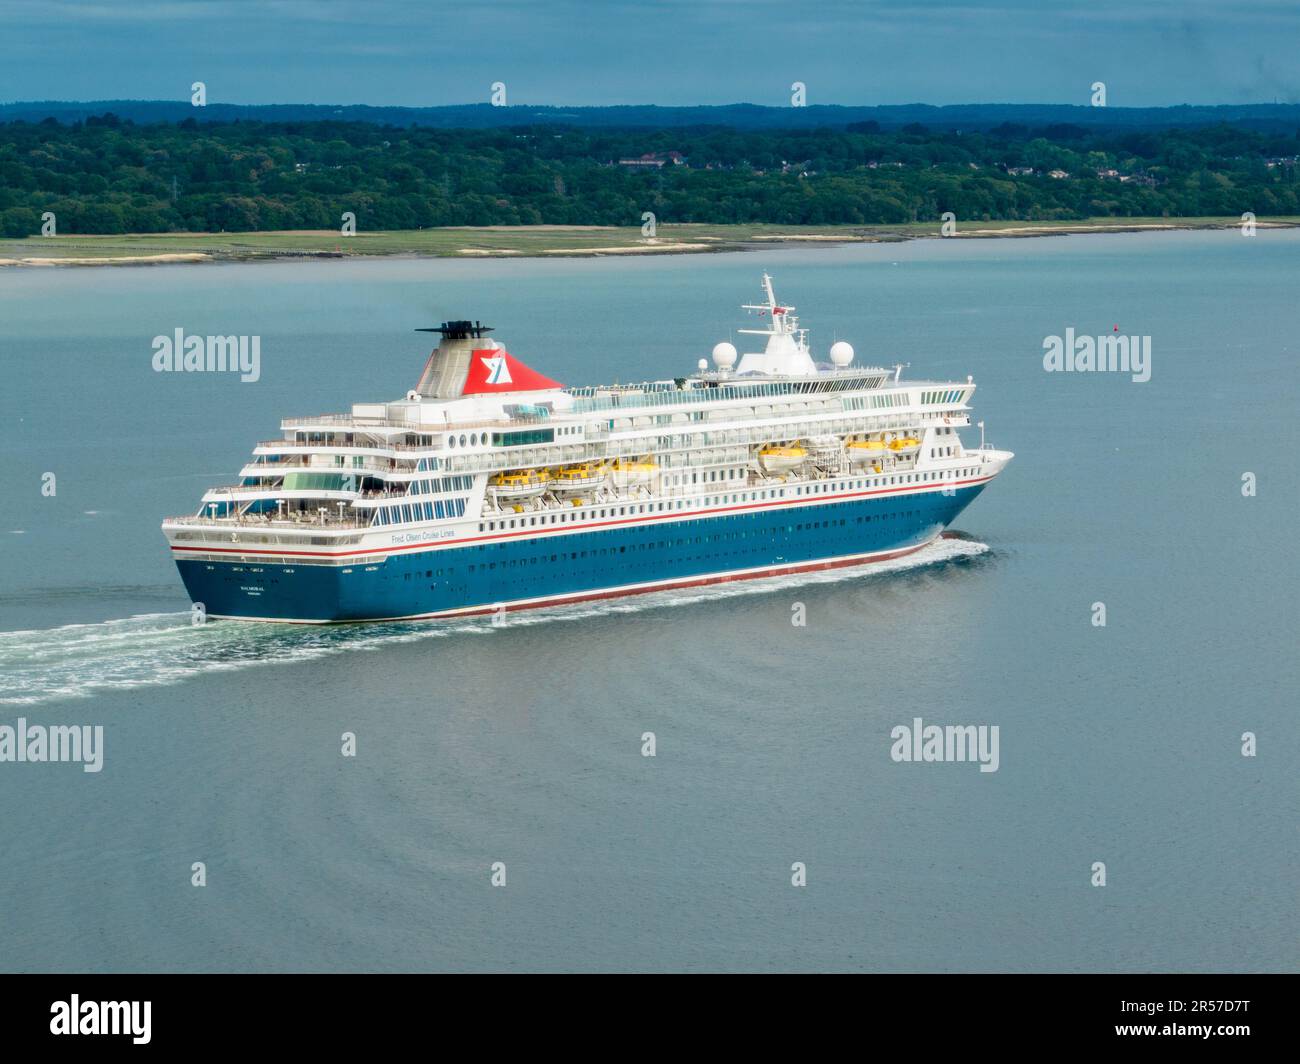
540, 242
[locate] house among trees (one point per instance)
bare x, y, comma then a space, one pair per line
654, 160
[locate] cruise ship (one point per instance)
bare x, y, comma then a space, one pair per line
490, 487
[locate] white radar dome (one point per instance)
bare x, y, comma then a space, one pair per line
724, 355
841, 353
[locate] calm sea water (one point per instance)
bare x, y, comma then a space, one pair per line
522, 745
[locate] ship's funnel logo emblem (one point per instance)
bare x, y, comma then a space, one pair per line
493, 371
498, 371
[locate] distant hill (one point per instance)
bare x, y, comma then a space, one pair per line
1264, 117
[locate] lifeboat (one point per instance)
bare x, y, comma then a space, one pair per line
860, 452
904, 444
781, 458
629, 472
524, 484
577, 479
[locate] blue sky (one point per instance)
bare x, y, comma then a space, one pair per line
1148, 52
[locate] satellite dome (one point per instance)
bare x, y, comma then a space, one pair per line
724, 355
841, 353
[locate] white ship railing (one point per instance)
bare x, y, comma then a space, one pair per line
275, 523
626, 401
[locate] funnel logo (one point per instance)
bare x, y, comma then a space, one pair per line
498, 371
493, 370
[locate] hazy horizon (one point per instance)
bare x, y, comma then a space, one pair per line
667, 53
534, 104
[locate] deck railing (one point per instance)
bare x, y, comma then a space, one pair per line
273, 523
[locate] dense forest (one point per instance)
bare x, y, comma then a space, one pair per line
106, 175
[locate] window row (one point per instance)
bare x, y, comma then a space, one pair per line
521, 439
441, 485
565, 517
419, 511
772, 533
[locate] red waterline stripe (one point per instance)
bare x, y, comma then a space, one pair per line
642, 519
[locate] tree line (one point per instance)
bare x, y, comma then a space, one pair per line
110, 176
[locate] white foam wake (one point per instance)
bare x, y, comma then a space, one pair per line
78, 660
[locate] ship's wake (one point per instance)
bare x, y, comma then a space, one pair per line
80, 660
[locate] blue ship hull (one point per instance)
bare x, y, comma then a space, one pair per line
489, 574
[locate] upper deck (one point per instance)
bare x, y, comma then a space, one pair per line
611, 403
479, 410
